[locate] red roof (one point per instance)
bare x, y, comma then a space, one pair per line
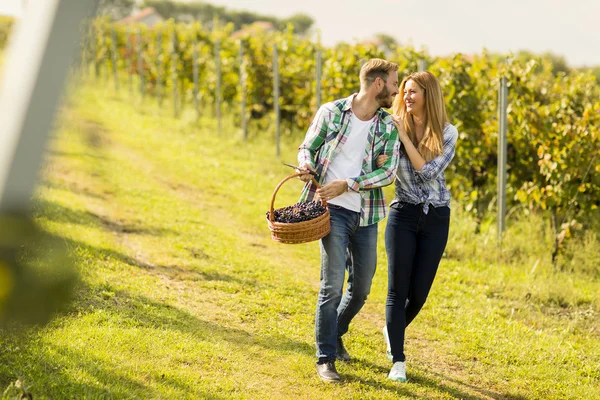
253, 28
139, 16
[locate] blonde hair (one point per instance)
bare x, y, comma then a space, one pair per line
435, 118
375, 68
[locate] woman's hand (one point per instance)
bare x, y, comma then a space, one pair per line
381, 160
399, 123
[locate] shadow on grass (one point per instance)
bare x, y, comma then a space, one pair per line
458, 393
60, 372
59, 213
72, 187
48, 376
21, 356
173, 272
57, 371
67, 154
459, 389
142, 312
389, 386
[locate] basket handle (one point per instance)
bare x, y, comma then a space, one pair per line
281, 183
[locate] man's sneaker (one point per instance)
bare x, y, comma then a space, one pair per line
327, 371
342, 353
388, 350
398, 372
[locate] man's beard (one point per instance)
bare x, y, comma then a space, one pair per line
384, 98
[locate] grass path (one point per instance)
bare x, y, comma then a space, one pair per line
184, 295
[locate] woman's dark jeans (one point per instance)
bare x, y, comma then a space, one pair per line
414, 242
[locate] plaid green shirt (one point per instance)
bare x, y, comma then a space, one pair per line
324, 140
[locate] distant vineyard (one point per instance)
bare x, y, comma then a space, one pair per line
553, 121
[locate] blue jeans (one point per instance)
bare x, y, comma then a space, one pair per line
334, 311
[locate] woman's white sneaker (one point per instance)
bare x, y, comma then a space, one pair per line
398, 372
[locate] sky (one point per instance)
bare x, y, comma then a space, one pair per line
11, 7
570, 28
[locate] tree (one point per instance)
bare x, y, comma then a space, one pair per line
388, 42
206, 13
115, 9
300, 22
558, 62
596, 73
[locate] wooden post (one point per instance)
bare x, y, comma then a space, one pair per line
243, 92
174, 72
94, 52
318, 77
129, 60
113, 51
105, 33
140, 63
502, 147
159, 77
276, 98
218, 95
85, 42
195, 64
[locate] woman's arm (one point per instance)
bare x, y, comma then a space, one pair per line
417, 161
426, 171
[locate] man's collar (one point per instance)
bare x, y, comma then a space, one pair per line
348, 105
348, 102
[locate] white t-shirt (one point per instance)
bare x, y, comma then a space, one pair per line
348, 162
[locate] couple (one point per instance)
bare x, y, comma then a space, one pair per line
356, 148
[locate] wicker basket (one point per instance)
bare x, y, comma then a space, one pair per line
298, 232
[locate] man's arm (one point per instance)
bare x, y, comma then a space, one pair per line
383, 175
314, 138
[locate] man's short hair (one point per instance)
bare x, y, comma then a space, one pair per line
376, 68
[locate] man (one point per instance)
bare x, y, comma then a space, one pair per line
341, 146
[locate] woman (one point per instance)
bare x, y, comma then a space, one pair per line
417, 228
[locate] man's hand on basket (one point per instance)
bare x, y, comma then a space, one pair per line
332, 189
304, 170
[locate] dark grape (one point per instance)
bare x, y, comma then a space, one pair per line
299, 212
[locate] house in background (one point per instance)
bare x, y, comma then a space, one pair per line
253, 29
147, 16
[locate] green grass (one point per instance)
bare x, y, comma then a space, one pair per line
184, 295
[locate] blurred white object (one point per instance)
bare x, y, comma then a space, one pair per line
35, 70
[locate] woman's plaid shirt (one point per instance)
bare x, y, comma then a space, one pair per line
427, 186
324, 140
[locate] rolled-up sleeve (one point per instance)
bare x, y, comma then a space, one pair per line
382, 176
432, 169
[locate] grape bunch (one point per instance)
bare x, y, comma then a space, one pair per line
299, 212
